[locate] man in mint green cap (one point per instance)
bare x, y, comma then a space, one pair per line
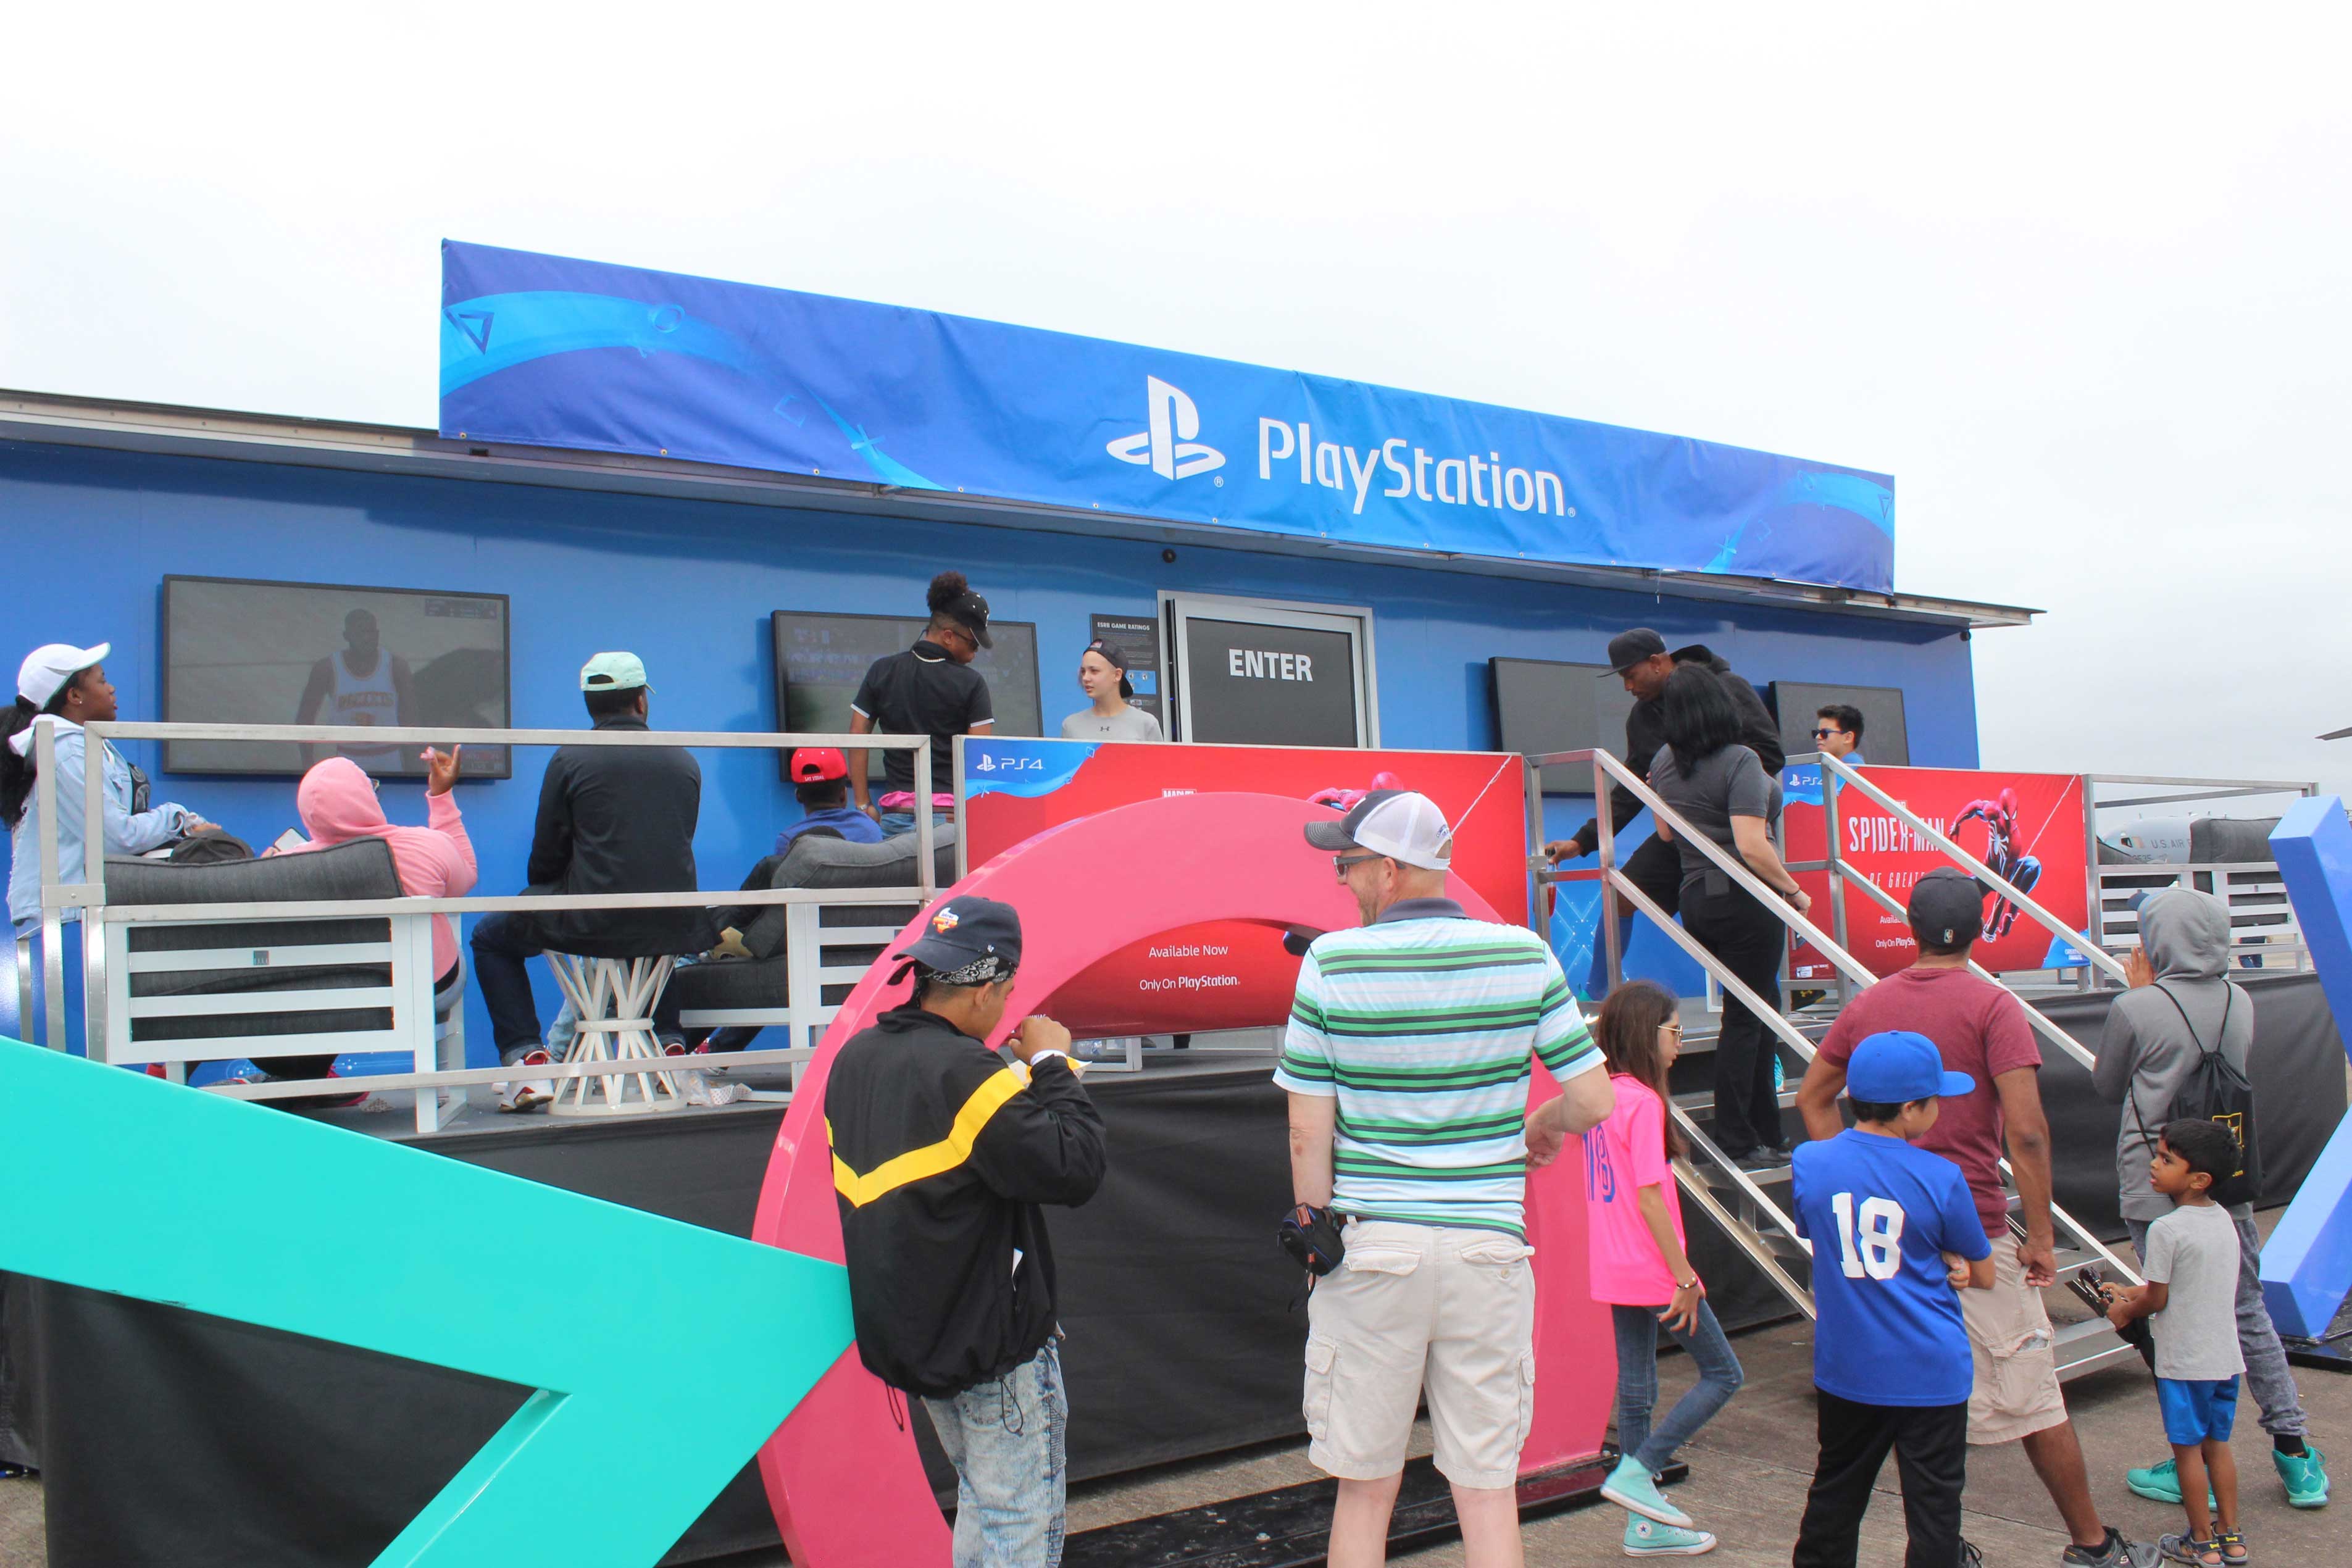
612, 819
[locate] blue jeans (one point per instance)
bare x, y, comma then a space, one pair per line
894, 823
1005, 1440
1719, 1378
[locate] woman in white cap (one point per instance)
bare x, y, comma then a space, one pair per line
69, 683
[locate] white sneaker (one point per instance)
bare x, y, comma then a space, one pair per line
529, 1094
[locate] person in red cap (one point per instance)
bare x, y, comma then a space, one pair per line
821, 783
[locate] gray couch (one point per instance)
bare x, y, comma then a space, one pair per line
362, 869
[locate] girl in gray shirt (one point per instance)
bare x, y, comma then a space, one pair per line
1102, 675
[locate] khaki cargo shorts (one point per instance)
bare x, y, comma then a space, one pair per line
2016, 1390
1414, 1309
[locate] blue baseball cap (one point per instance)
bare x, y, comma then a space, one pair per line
1896, 1065
964, 930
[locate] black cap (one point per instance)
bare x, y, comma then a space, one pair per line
964, 930
969, 611
1947, 906
1110, 654
1627, 649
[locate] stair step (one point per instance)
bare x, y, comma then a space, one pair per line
1700, 1102
1721, 1178
2089, 1346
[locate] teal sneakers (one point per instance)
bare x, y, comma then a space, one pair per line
1629, 1486
1646, 1538
2161, 1483
2306, 1475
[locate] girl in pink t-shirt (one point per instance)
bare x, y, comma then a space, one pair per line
1635, 1225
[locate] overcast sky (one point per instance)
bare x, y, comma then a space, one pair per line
2076, 278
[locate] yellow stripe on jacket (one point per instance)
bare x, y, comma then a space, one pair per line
933, 1159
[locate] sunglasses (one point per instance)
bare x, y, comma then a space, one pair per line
1339, 863
1825, 734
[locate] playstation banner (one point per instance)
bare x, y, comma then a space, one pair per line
546, 351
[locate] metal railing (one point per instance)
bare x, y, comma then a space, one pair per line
86, 899
1768, 1251
1615, 885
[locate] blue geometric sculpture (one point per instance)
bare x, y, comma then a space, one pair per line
2307, 1263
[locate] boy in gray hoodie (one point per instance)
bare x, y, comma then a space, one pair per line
2181, 1005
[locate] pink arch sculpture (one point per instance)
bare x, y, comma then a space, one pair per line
842, 1472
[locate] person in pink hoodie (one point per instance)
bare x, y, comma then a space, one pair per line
339, 804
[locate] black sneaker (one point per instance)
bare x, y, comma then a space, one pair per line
1763, 1157
2116, 1553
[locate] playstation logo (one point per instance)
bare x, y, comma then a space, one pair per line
984, 763
1168, 447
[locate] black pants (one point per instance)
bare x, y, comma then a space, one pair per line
501, 944
1931, 1453
1656, 868
1750, 942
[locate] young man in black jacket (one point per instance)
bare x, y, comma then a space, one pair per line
941, 1154
1639, 658
612, 819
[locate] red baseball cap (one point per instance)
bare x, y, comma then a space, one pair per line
814, 765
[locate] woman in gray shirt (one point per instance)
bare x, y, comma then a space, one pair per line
1720, 788
1102, 675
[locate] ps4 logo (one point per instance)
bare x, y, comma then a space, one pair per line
1167, 446
988, 762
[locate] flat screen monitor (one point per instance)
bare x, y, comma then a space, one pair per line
821, 659
1884, 739
238, 651
1543, 705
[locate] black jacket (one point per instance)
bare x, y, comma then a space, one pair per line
619, 819
941, 1158
1645, 733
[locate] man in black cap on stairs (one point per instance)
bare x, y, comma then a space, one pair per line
1639, 657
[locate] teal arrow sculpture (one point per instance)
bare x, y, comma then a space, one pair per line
127, 1185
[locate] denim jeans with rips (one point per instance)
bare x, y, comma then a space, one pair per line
1006, 1440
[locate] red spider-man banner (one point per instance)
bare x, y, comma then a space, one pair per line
1223, 976
2026, 826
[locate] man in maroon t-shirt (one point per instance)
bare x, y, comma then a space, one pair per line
1981, 1030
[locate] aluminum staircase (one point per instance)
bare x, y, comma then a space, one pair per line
1752, 1207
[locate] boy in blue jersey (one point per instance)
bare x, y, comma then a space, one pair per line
1894, 1231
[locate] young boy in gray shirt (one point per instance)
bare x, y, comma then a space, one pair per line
2190, 1301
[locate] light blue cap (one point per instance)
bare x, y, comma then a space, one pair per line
613, 672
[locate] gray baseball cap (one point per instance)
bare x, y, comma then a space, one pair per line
1627, 649
1947, 906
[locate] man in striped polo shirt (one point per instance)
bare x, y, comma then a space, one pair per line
1408, 1061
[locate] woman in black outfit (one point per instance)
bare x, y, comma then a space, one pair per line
1718, 788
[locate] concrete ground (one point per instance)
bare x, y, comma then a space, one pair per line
1750, 1467
1749, 1472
